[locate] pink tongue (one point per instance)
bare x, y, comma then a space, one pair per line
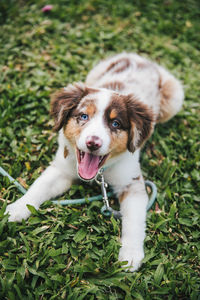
88, 167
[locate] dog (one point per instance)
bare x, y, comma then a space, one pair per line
104, 122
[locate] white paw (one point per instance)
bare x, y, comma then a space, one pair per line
18, 211
132, 256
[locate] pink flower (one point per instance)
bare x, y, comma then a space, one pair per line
47, 8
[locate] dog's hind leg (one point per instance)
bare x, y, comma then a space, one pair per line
171, 95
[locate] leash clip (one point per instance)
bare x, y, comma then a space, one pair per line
103, 185
106, 210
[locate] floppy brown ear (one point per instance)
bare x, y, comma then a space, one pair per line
141, 120
64, 101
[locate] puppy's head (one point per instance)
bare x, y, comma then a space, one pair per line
100, 124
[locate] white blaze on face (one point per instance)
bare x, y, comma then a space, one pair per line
90, 162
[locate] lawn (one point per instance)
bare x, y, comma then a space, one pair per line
71, 252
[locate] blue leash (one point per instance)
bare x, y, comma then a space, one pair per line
106, 210
12, 180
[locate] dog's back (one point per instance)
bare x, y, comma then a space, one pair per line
129, 73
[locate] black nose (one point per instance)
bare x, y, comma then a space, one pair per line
93, 142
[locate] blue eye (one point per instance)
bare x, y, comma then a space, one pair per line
84, 117
115, 124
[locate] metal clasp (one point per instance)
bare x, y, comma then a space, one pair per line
103, 185
106, 210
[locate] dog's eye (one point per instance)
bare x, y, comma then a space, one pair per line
116, 124
84, 117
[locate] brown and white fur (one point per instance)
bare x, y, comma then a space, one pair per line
106, 121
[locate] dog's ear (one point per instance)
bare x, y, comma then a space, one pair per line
64, 101
141, 120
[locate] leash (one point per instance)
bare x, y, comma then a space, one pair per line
106, 210
12, 180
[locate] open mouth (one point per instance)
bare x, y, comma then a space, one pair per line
89, 164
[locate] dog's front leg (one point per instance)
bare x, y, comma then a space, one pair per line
51, 183
133, 203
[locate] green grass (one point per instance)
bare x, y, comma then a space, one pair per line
71, 252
